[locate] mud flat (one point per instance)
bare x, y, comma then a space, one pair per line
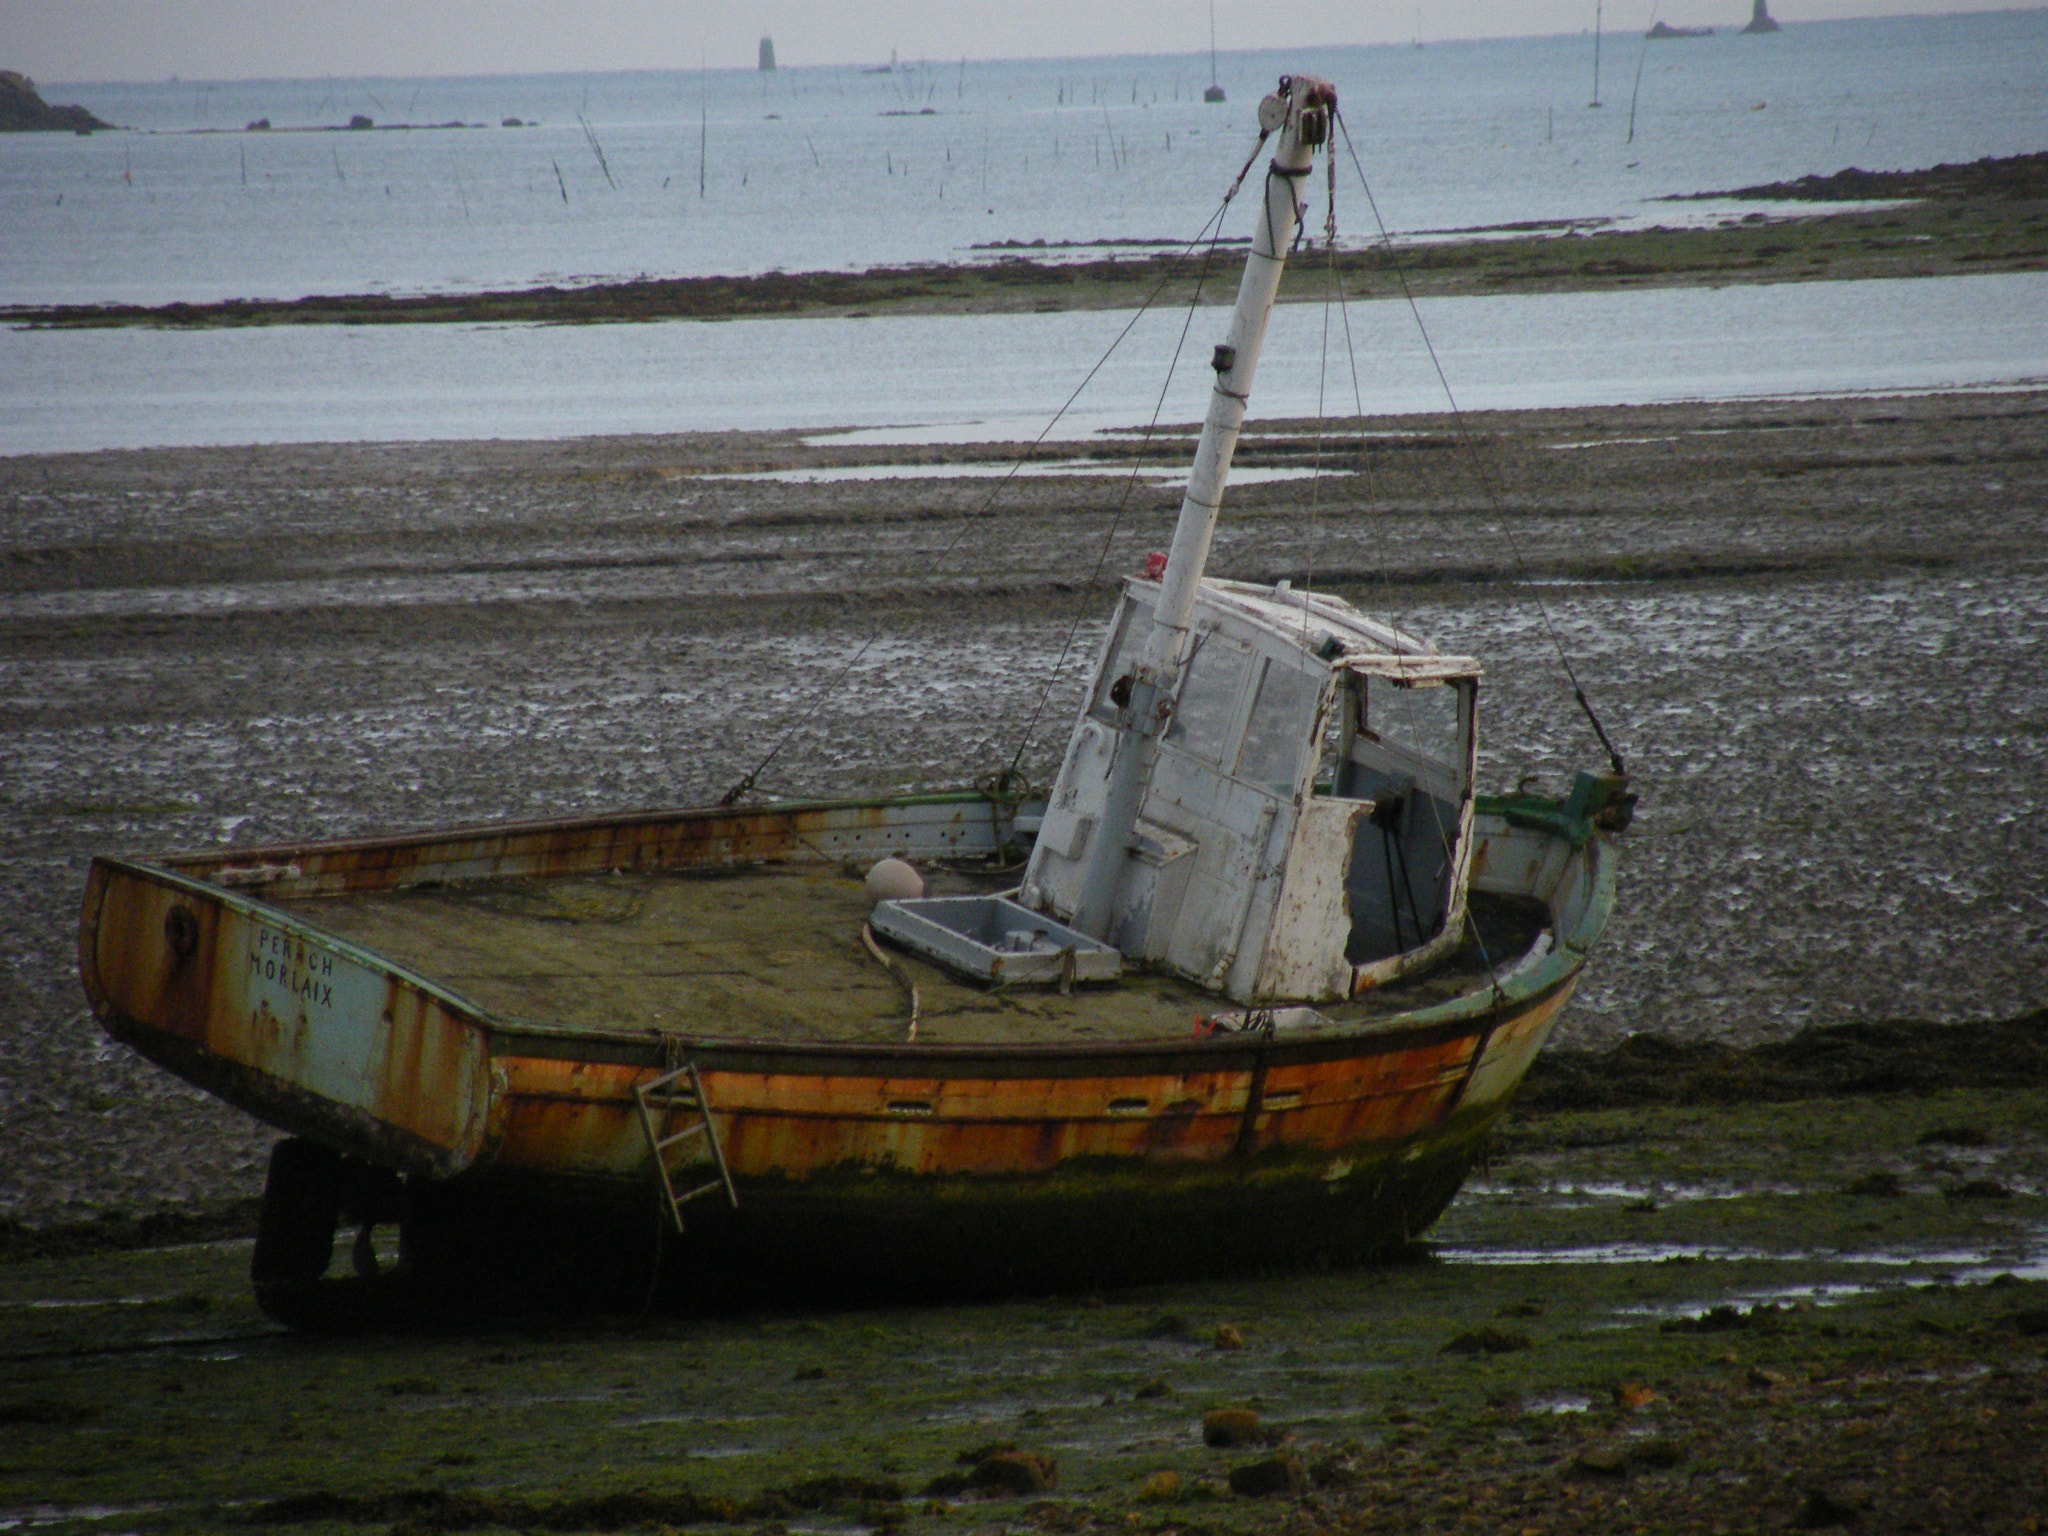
1813, 628
1821, 1314
1722, 1272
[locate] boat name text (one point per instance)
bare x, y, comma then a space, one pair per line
279, 957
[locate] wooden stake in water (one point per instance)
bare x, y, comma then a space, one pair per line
1637, 89
597, 149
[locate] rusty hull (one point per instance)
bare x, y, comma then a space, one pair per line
1332, 1143
805, 1111
968, 1174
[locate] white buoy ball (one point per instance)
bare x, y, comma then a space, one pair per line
894, 880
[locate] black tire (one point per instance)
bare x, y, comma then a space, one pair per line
301, 1207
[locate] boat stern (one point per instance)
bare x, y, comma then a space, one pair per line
287, 1023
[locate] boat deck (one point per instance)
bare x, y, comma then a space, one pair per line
774, 951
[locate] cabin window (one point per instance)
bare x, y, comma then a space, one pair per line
1278, 732
1133, 623
1207, 706
1422, 721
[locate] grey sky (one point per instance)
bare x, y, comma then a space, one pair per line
92, 40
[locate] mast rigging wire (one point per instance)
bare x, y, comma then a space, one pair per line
747, 781
1479, 468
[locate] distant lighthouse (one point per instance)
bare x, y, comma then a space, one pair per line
768, 48
1760, 18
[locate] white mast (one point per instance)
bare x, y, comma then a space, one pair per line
1300, 110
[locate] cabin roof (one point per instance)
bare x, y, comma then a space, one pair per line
1322, 626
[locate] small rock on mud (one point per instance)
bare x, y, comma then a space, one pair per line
1488, 1341
1227, 1428
1016, 1472
1275, 1475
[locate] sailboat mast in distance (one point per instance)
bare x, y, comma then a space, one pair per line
1215, 92
1596, 55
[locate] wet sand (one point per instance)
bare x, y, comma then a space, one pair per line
1814, 629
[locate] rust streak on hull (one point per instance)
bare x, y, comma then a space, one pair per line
285, 1021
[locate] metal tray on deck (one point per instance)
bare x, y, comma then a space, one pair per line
995, 940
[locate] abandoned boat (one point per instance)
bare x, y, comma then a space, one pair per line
1247, 988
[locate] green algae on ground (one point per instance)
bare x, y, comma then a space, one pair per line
1717, 1325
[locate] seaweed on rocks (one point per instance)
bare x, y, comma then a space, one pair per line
1887, 1056
2000, 176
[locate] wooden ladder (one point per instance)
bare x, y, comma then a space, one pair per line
666, 1095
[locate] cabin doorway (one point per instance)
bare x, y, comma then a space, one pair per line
1406, 747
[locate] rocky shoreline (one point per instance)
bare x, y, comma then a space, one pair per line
23, 110
2016, 177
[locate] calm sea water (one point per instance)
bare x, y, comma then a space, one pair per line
984, 378
835, 167
622, 174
